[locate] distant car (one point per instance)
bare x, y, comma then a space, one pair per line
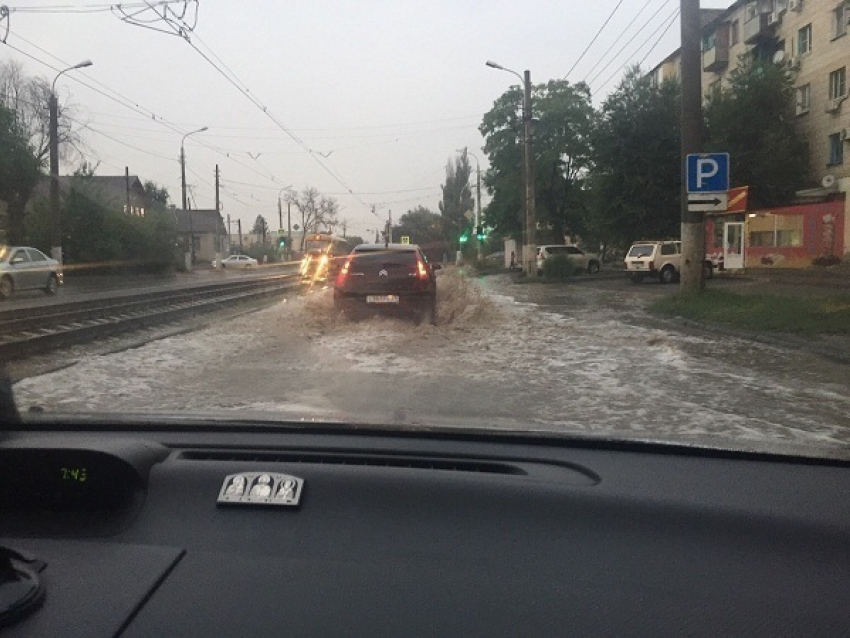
388, 278
238, 261
24, 268
658, 260
584, 261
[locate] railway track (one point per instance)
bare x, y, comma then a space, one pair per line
24, 332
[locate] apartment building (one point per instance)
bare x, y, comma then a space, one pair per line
814, 36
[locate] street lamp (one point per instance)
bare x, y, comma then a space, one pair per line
288, 219
478, 194
183, 190
529, 249
53, 107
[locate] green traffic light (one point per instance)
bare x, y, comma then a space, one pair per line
464, 238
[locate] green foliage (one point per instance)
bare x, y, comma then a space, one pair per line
20, 171
259, 251
261, 226
754, 120
106, 239
457, 198
564, 123
635, 186
558, 267
354, 240
157, 195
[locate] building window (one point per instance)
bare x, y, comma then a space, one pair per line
804, 98
839, 21
776, 231
837, 83
733, 32
709, 41
836, 149
804, 40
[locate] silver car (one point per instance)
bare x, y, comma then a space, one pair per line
24, 268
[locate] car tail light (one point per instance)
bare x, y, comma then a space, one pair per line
421, 270
652, 265
343, 273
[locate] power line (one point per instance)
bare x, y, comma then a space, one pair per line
622, 33
587, 48
632, 39
669, 23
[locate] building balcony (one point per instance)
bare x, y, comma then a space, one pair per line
761, 27
715, 59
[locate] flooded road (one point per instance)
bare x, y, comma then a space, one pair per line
581, 358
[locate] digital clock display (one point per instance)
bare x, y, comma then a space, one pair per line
73, 474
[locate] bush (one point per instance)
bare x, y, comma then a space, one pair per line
558, 268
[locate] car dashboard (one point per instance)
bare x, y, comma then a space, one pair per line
183, 528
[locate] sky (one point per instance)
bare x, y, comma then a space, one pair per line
366, 101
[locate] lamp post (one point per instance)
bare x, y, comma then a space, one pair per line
183, 190
478, 198
529, 249
53, 106
288, 219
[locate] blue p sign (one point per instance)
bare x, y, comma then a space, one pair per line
708, 172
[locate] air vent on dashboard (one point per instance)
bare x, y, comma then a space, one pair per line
370, 460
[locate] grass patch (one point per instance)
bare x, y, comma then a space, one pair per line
809, 316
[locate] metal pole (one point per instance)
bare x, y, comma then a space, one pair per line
288, 231
530, 254
693, 229
478, 216
239, 228
56, 249
127, 187
218, 249
183, 174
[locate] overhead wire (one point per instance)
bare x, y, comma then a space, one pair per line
600, 59
598, 33
668, 22
616, 56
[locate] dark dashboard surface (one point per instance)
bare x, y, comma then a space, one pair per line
438, 534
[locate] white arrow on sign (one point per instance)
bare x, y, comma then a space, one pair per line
708, 202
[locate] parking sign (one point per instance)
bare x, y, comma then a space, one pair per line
708, 172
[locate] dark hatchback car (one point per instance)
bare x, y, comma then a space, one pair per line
388, 278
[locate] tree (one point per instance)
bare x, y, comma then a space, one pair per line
20, 172
754, 121
634, 189
318, 212
157, 195
355, 240
261, 227
425, 228
27, 98
457, 199
564, 124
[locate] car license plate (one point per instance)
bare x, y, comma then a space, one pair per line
382, 299
637, 264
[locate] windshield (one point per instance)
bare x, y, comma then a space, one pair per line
278, 131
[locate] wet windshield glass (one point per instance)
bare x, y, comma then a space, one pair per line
583, 240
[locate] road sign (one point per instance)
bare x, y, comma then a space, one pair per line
738, 199
281, 231
708, 172
469, 215
405, 239
708, 202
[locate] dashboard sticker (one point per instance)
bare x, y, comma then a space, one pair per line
261, 488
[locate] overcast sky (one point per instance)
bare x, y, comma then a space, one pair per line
386, 90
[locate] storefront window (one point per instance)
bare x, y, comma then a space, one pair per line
776, 230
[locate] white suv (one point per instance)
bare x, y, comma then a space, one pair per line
658, 259
584, 261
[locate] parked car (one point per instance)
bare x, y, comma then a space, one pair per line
238, 261
659, 260
584, 261
388, 278
25, 268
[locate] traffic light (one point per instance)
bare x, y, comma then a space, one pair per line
464, 237
479, 232
281, 243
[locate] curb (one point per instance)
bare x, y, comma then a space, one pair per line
784, 342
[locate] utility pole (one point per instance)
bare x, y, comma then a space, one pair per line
127, 187
239, 228
390, 228
288, 231
183, 175
229, 234
693, 227
218, 249
530, 251
56, 250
